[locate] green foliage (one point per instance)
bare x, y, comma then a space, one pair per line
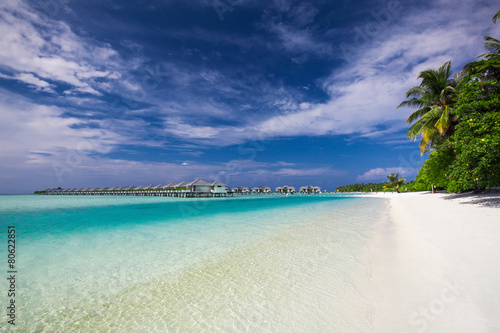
436, 169
394, 182
375, 187
477, 144
470, 160
416, 185
434, 98
468, 157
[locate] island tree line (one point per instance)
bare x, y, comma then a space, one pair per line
457, 119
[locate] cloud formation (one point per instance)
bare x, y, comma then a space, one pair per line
148, 92
380, 174
43, 52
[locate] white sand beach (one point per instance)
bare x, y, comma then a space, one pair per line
436, 266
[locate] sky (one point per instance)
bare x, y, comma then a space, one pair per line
249, 92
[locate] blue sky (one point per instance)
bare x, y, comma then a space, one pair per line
250, 92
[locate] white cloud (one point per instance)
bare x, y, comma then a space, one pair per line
187, 131
28, 127
380, 174
35, 47
299, 41
364, 93
305, 172
29, 78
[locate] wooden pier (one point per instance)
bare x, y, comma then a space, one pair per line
176, 194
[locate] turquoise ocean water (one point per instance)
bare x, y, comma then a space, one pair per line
141, 264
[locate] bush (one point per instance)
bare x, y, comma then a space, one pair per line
436, 169
477, 137
477, 165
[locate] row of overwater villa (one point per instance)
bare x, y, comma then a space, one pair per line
185, 189
278, 190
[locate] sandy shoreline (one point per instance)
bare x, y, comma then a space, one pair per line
436, 266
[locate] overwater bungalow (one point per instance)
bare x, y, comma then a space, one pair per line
285, 189
241, 190
171, 186
199, 185
261, 189
219, 187
265, 189
244, 190
196, 188
182, 186
310, 189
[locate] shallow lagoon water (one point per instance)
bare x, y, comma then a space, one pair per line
129, 264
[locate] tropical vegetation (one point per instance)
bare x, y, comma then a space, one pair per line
435, 100
458, 121
395, 182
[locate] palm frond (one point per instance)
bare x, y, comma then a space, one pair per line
414, 130
444, 121
416, 91
417, 115
496, 17
412, 103
423, 145
492, 45
429, 134
433, 115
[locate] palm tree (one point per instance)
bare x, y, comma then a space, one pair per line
395, 182
489, 69
434, 98
492, 45
496, 17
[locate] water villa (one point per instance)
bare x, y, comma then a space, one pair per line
241, 190
262, 189
197, 188
285, 189
310, 189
